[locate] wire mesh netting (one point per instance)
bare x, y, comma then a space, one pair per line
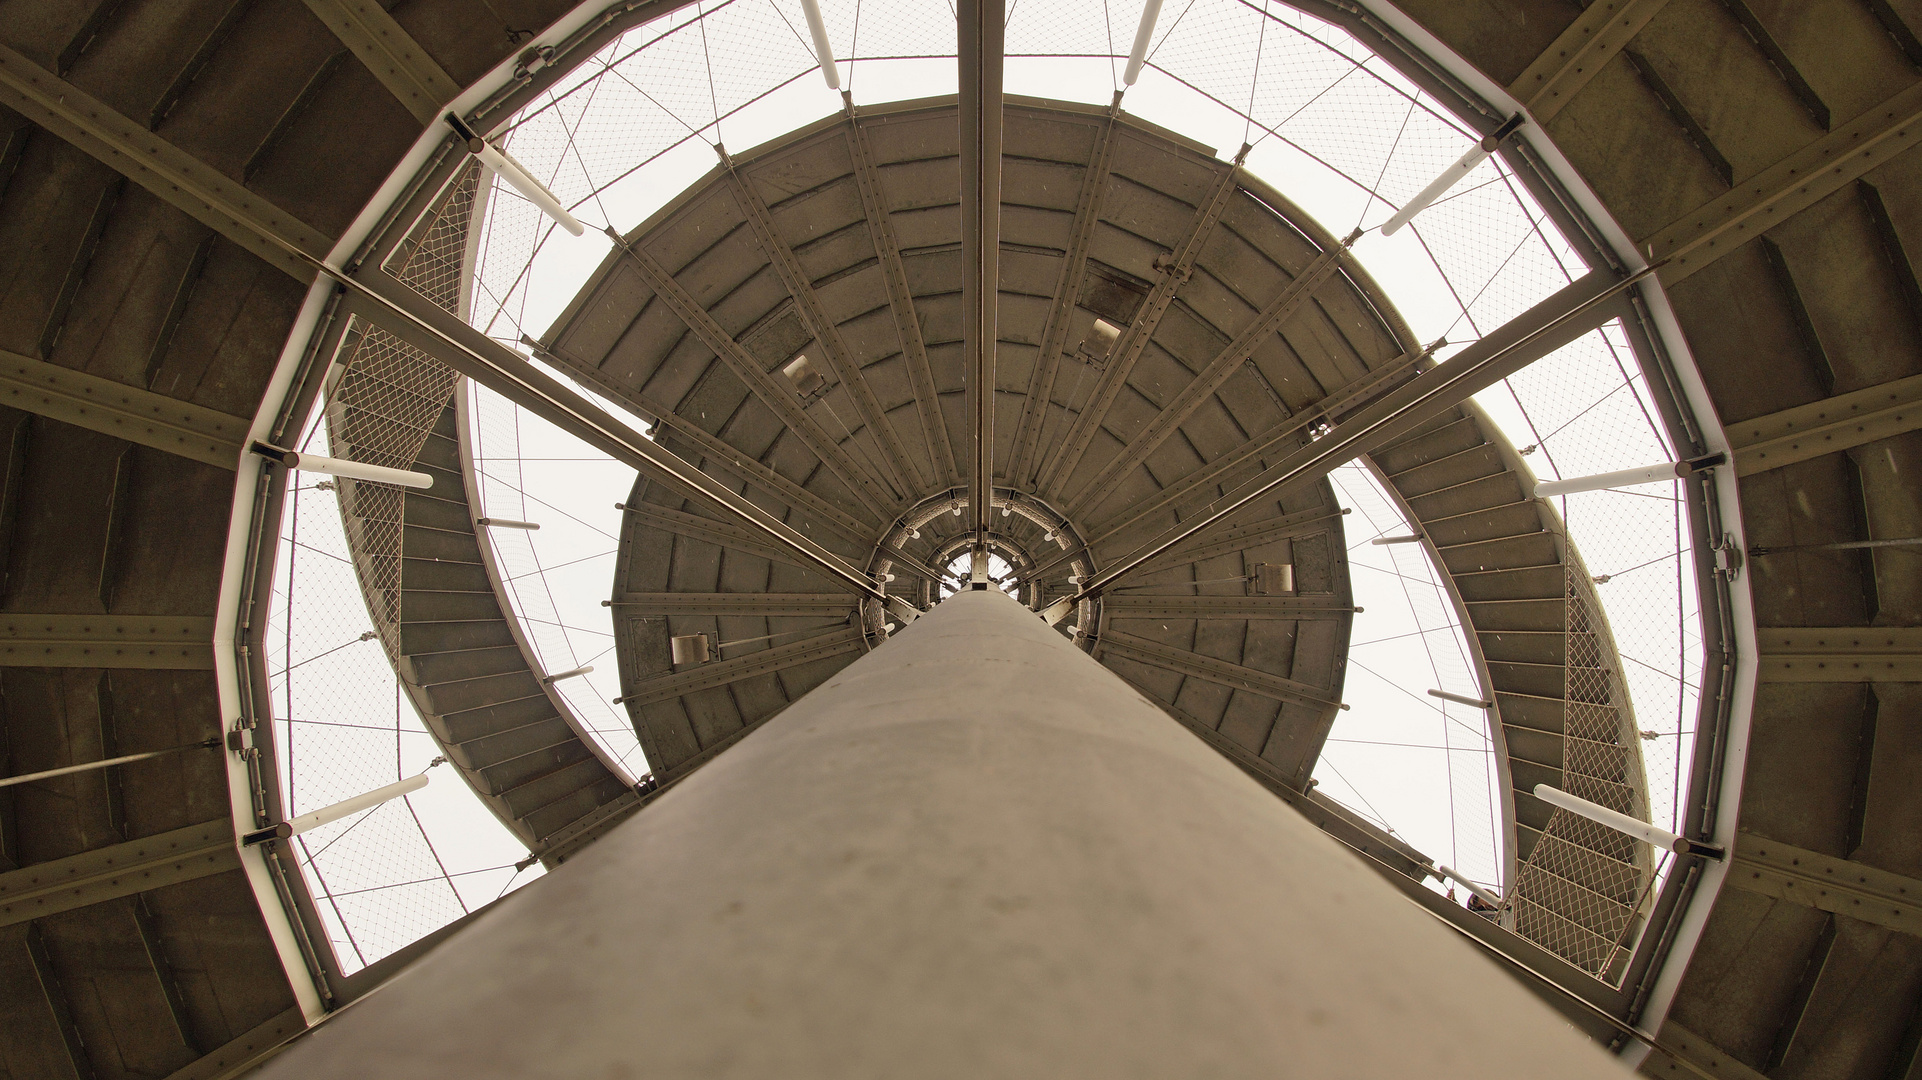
382, 878
1351, 138
1578, 892
389, 400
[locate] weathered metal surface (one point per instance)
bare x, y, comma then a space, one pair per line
722, 672
157, 165
1595, 37
182, 642
1840, 654
1790, 186
757, 603
1815, 880
1827, 426
126, 412
109, 873
392, 54
1236, 676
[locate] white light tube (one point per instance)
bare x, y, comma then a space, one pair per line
315, 819
1439, 186
822, 50
352, 470
1384, 541
549, 680
1622, 823
1647, 474
1449, 873
504, 523
516, 174
47, 774
1473, 703
1138, 55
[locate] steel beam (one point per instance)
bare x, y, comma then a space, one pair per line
907, 480
59, 1009
109, 873
1575, 310
980, 59
1683, 1053
771, 605
779, 398
1827, 883
719, 453
1178, 269
722, 672
1788, 187
1827, 426
125, 412
174, 175
177, 642
720, 533
1054, 335
1830, 654
245, 1050
1237, 465
1229, 541
927, 399
1134, 605
1580, 53
1209, 669
163, 973
1210, 379
447, 338
392, 54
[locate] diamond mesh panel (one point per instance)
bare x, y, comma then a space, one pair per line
1579, 892
430, 258
387, 403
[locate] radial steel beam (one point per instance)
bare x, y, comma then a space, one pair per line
245, 1050
1265, 324
447, 338
1788, 187
1827, 426
988, 872
108, 873
1176, 271
1054, 336
907, 480
1682, 1053
1580, 307
174, 175
927, 400
714, 451
1229, 541
779, 397
771, 605
980, 58
1238, 465
167, 642
78, 1063
1825, 882
722, 672
1208, 669
391, 53
724, 534
1839, 654
1578, 55
125, 412
1134, 605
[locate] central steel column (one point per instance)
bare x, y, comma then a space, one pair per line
973, 853
980, 60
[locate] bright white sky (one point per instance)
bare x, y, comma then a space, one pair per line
1413, 763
